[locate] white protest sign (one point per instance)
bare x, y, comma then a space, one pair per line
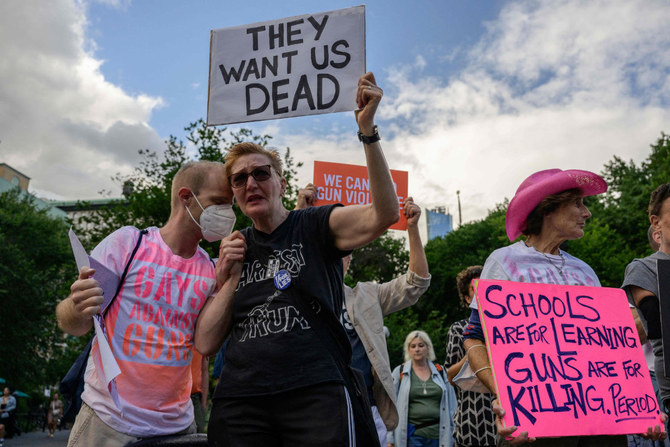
302, 65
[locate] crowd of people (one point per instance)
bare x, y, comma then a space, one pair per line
306, 361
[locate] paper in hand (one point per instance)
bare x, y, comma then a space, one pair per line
109, 369
109, 282
80, 255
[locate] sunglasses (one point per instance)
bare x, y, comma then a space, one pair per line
260, 174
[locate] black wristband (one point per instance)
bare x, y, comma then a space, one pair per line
371, 138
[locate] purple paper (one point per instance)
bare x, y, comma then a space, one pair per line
108, 280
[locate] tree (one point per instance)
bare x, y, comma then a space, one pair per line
379, 261
617, 232
149, 202
469, 245
36, 264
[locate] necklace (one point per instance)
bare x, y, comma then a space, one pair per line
560, 269
423, 382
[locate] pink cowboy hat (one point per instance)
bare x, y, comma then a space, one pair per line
545, 183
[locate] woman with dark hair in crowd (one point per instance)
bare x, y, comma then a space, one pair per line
473, 419
641, 283
7, 415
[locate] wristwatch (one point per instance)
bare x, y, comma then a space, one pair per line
369, 139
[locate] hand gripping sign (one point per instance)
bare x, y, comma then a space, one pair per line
566, 359
349, 185
303, 65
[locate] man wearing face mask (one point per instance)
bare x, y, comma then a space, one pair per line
150, 322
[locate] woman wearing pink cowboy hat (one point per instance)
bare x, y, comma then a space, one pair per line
548, 209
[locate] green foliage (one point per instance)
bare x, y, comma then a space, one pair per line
290, 172
605, 251
380, 261
149, 203
617, 232
469, 245
36, 265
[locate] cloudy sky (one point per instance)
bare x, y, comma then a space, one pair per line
478, 95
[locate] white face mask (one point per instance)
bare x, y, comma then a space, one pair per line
216, 221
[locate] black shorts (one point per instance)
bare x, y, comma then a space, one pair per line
318, 415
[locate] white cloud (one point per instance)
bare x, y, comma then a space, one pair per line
551, 84
61, 122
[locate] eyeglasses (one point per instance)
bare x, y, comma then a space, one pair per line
260, 174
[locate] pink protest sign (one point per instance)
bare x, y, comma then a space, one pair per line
566, 359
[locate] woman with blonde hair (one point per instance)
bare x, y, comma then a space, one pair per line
425, 400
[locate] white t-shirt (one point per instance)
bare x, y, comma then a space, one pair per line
520, 263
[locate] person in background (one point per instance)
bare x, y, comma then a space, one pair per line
654, 238
474, 421
363, 312
54, 414
426, 400
7, 414
641, 283
199, 389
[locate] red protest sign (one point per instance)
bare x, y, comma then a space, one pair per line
566, 359
348, 185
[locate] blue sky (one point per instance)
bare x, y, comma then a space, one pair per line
478, 94
129, 40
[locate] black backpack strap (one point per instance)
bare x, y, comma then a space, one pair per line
125, 271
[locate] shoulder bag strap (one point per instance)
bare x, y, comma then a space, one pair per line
125, 271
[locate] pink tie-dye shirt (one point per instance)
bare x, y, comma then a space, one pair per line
150, 328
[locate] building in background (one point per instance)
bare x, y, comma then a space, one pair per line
10, 178
76, 209
438, 222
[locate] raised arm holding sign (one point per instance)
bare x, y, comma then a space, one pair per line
356, 225
287, 355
